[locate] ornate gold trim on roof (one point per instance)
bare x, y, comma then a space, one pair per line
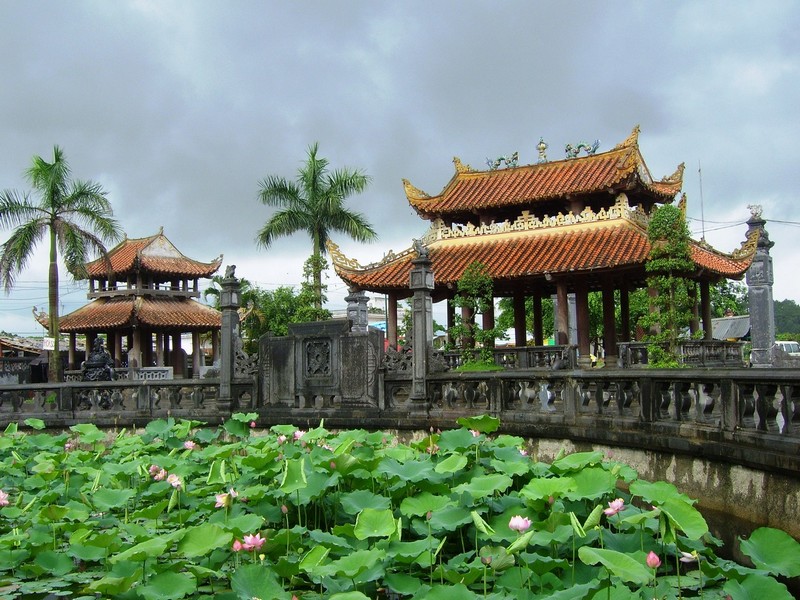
676, 177
631, 140
748, 247
351, 264
461, 167
414, 193
682, 205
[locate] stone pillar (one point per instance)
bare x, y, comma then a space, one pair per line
705, 310
71, 352
421, 283
582, 322
229, 298
391, 320
562, 314
520, 330
694, 322
487, 321
538, 328
759, 280
357, 311
451, 320
625, 313
196, 354
609, 325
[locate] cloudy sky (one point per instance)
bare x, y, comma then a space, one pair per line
180, 108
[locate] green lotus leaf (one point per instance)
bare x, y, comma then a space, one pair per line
350, 565
686, 518
143, 550
55, 563
354, 502
87, 553
497, 557
372, 522
773, 550
105, 499
619, 564
482, 423
592, 483
543, 488
242, 524
656, 492
412, 470
88, 433
314, 557
423, 503
449, 518
452, 464
349, 596
258, 581
152, 511
449, 592
402, 584
37, 424
485, 485
577, 461
756, 587
294, 475
201, 540
329, 540
480, 524
114, 585
455, 440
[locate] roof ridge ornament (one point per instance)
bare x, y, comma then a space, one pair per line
676, 177
461, 167
541, 147
589, 149
413, 192
631, 140
510, 161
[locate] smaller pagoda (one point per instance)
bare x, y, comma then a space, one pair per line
144, 299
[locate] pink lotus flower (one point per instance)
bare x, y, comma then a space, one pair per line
688, 557
237, 546
475, 433
253, 542
519, 524
160, 475
4, 498
298, 434
174, 481
614, 507
223, 500
281, 439
284, 509
154, 469
652, 560
252, 424
523, 452
189, 445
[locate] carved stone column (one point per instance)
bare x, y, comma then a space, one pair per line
759, 279
357, 310
421, 283
229, 301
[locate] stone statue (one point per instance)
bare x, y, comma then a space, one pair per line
100, 366
230, 271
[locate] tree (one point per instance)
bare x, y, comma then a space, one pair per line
728, 296
668, 268
787, 318
75, 216
475, 292
314, 204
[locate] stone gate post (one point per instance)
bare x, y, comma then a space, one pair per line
759, 279
421, 283
229, 300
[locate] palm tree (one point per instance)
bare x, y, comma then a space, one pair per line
314, 204
77, 218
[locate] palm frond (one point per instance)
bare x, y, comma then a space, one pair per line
282, 223
16, 209
18, 249
277, 191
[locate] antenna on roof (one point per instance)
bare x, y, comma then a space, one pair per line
702, 214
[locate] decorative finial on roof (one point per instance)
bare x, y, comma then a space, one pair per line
510, 161
414, 192
682, 204
461, 167
161, 230
590, 150
542, 148
755, 210
677, 176
631, 140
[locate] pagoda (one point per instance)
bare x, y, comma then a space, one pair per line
549, 229
145, 294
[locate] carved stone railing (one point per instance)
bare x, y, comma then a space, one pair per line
524, 357
693, 353
111, 402
129, 374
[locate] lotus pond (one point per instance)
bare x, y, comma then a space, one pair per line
179, 510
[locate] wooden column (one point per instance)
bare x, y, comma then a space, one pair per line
694, 322
196, 354
161, 346
538, 328
609, 324
520, 329
118, 349
625, 313
562, 318
705, 309
487, 321
582, 325
177, 356
391, 319
135, 351
73, 342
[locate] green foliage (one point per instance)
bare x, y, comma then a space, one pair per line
476, 293
314, 204
728, 296
74, 216
787, 318
668, 269
350, 514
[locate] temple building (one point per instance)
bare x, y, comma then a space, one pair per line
144, 300
551, 229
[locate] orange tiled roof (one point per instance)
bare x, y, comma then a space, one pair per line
154, 254
158, 313
621, 169
576, 249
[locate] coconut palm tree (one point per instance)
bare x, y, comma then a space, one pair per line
74, 216
314, 204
